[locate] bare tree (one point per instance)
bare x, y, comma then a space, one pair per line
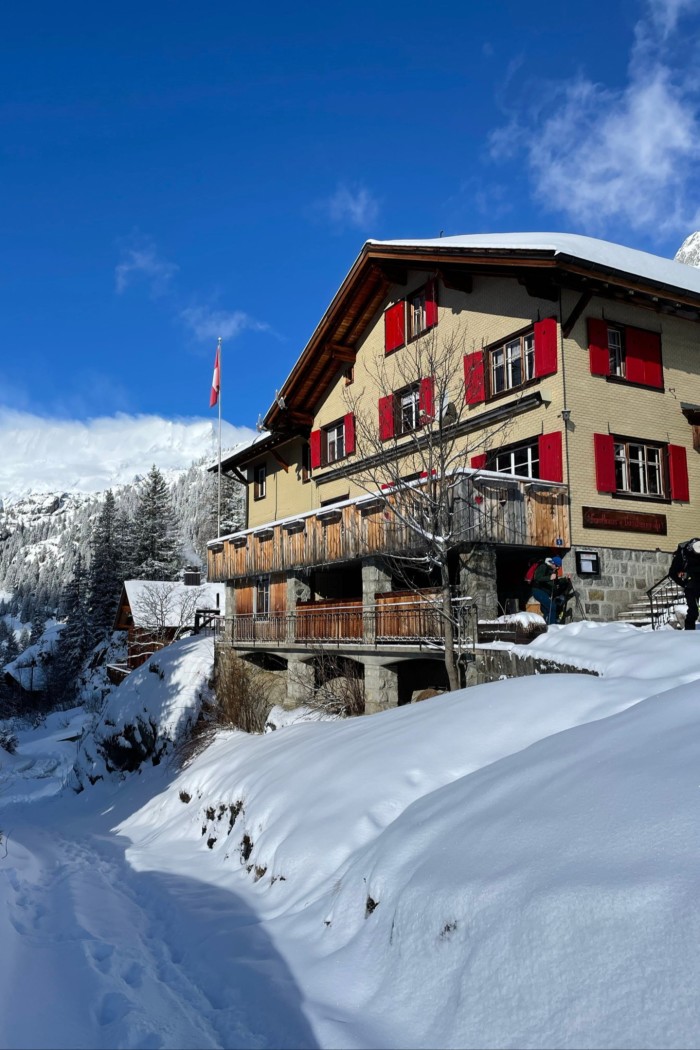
163, 611
420, 461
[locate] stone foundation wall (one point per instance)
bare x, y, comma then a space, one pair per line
625, 576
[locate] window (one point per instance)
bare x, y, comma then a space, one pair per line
616, 351
523, 459
409, 409
305, 462
638, 468
621, 352
540, 457
261, 597
349, 375
260, 482
410, 317
511, 364
335, 442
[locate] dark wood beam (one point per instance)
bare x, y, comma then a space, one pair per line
394, 272
237, 475
298, 418
345, 354
568, 324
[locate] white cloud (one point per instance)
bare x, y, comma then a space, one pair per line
140, 261
48, 455
207, 323
599, 155
350, 206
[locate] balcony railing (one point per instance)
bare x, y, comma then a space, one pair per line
489, 508
397, 620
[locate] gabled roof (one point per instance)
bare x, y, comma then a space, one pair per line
178, 598
544, 261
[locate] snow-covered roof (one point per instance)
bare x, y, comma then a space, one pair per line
177, 599
588, 249
29, 668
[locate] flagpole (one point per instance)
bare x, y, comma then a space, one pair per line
218, 526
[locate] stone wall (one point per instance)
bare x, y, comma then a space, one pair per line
625, 576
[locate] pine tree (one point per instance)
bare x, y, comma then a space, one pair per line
157, 547
76, 637
11, 647
103, 578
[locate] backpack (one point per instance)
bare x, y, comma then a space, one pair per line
530, 574
691, 560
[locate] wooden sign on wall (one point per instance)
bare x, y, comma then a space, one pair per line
625, 520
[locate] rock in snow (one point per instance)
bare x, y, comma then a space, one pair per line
689, 251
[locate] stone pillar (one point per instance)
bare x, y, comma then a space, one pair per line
381, 688
477, 578
376, 579
300, 681
230, 612
298, 590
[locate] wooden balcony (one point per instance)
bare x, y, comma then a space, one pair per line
396, 618
490, 508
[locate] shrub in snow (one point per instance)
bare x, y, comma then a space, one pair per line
8, 741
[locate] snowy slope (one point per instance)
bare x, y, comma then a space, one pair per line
510, 865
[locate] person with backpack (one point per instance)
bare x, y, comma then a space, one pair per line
547, 589
685, 571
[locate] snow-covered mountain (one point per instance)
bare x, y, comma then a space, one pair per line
60, 456
689, 251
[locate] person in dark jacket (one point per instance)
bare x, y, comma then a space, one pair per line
685, 571
546, 588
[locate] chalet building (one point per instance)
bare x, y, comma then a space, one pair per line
563, 374
156, 612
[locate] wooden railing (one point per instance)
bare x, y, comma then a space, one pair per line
489, 509
399, 617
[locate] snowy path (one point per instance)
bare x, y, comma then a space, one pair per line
97, 955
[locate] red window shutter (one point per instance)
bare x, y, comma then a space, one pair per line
386, 417
643, 357
349, 428
426, 399
315, 447
598, 352
604, 452
551, 461
546, 347
478, 462
474, 378
678, 473
430, 305
394, 327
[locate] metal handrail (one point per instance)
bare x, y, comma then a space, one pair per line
663, 596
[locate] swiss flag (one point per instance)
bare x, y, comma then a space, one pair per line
215, 380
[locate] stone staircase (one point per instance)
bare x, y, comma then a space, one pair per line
656, 608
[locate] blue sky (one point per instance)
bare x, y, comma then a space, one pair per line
171, 172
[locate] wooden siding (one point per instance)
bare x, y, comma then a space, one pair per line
521, 513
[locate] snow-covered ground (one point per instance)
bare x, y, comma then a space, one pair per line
510, 865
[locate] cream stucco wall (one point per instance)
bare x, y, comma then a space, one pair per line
495, 309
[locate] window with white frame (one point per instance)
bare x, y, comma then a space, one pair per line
638, 468
616, 351
409, 408
522, 459
512, 363
260, 482
417, 322
261, 597
334, 437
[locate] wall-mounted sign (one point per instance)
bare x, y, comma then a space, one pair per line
624, 520
587, 563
